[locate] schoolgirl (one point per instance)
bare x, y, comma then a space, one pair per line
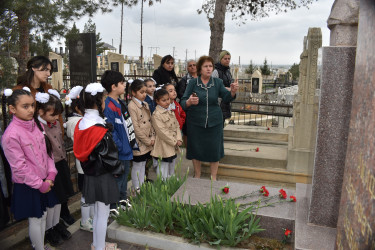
150, 90
175, 106
168, 135
47, 112
95, 149
73, 115
144, 132
31, 160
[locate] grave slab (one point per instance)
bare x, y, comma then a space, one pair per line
273, 219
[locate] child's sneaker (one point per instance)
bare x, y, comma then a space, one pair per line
87, 226
114, 213
125, 203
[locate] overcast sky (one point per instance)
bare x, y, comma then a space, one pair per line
175, 23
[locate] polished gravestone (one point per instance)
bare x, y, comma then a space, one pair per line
356, 223
82, 59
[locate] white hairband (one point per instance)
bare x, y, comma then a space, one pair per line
42, 97
73, 94
94, 88
8, 92
27, 89
54, 92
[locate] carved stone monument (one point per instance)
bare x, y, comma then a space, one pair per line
82, 59
116, 62
57, 75
356, 223
301, 148
256, 82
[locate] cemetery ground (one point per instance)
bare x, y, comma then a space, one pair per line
16, 236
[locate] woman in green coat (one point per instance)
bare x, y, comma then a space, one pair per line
204, 117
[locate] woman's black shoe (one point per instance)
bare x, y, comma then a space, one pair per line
64, 233
53, 238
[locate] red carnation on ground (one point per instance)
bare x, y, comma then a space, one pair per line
288, 232
268, 128
283, 194
64, 91
257, 150
293, 198
264, 191
225, 189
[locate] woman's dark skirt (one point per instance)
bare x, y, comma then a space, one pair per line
205, 144
29, 202
101, 188
63, 187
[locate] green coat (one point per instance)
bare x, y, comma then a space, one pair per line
208, 112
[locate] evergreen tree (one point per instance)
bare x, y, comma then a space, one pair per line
250, 70
265, 68
90, 27
294, 70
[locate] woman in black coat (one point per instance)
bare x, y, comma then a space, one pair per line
165, 73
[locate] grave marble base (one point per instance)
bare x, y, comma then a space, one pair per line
273, 219
155, 240
309, 236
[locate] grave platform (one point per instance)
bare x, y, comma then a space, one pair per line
273, 219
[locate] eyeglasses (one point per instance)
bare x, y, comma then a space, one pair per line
192, 65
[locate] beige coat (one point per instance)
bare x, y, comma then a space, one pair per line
144, 132
167, 133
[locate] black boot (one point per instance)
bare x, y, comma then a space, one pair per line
62, 231
53, 238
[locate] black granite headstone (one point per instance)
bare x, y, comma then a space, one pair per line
54, 65
255, 85
82, 59
115, 66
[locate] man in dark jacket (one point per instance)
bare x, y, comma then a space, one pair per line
222, 71
192, 73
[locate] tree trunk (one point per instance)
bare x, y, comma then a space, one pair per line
217, 27
23, 24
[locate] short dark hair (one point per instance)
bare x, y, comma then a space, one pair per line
111, 77
136, 85
202, 60
160, 93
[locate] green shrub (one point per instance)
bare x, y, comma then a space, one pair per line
216, 222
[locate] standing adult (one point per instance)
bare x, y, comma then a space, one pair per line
191, 73
205, 119
222, 71
39, 68
165, 73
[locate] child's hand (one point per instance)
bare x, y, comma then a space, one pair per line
51, 184
179, 143
152, 142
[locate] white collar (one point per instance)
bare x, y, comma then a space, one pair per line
164, 108
152, 98
42, 120
90, 118
135, 99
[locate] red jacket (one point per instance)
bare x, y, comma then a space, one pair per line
180, 114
